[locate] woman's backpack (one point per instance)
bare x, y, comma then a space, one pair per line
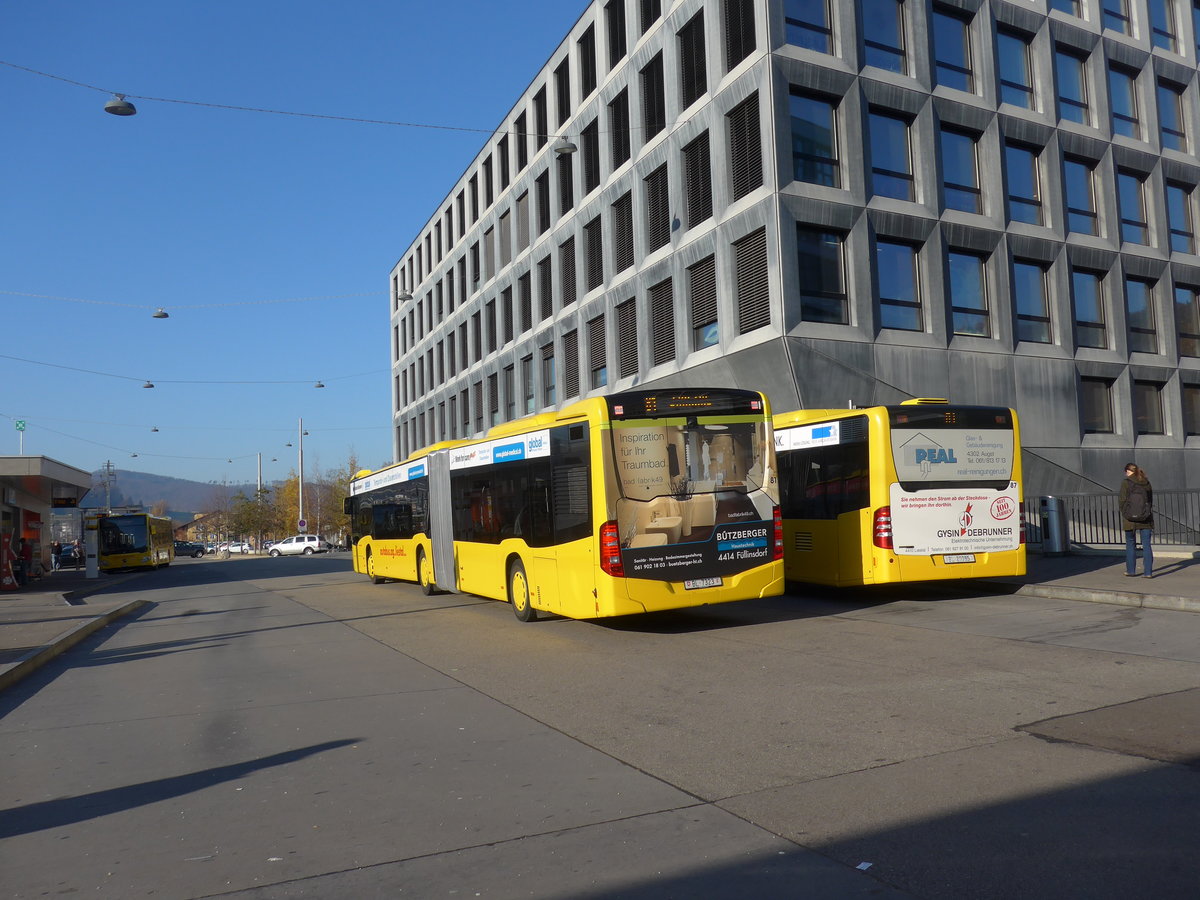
1136, 507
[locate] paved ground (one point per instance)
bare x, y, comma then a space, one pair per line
57, 611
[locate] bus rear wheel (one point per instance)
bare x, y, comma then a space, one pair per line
518, 593
425, 574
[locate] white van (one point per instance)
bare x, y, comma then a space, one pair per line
306, 544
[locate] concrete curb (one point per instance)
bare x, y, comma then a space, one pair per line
1116, 598
39, 656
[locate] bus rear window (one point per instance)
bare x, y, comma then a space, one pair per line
655, 459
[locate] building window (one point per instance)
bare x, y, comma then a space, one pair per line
477, 402
739, 31
522, 222
1087, 294
822, 276
562, 92
751, 281
899, 294
490, 325
566, 184
506, 314
891, 162
1072, 87
662, 323
589, 152
618, 128
504, 239
627, 338
814, 140
1095, 402
1070, 7
541, 121
1131, 191
807, 23
587, 62
1148, 408
883, 36
651, 10
527, 384
1190, 395
1163, 29
1016, 79
1033, 306
549, 394
614, 20
622, 218
545, 289
502, 155
1115, 15
1081, 197
968, 294
697, 180
1024, 190
489, 254
597, 354
952, 50
1122, 88
541, 189
525, 301
693, 77
473, 190
521, 141
1170, 117
510, 395
745, 147
654, 100
493, 390
960, 171
593, 251
1139, 316
571, 364
567, 284
1187, 320
702, 292
658, 210
1179, 218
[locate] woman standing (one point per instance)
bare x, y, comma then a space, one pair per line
1137, 517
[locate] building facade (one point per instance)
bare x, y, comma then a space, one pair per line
838, 202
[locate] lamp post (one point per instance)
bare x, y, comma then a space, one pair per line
301, 525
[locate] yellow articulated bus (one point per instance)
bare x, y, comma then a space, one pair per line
134, 541
917, 492
638, 501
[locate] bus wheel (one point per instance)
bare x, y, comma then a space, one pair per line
375, 579
518, 593
425, 574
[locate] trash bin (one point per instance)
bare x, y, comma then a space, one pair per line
1054, 527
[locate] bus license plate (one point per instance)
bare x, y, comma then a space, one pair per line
694, 583
958, 558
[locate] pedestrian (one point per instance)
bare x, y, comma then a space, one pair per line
24, 551
56, 556
1137, 519
78, 553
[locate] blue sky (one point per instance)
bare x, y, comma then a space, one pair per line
219, 215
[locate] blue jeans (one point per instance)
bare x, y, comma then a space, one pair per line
1131, 539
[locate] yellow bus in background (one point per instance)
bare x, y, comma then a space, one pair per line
134, 540
633, 502
921, 491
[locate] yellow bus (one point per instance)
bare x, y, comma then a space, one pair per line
638, 501
916, 492
134, 541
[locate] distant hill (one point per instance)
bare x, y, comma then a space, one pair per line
183, 498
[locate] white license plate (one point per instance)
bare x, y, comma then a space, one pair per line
693, 583
958, 558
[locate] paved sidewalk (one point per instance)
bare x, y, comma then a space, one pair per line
62, 608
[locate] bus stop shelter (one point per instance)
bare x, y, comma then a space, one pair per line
30, 487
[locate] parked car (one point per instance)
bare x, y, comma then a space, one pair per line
189, 548
68, 560
240, 547
306, 544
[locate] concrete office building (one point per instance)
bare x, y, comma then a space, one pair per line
837, 202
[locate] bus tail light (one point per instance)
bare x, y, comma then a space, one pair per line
778, 535
610, 550
881, 530
1022, 515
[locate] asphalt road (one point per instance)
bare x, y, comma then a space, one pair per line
280, 728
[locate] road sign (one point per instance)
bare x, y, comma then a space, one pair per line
20, 423
302, 525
